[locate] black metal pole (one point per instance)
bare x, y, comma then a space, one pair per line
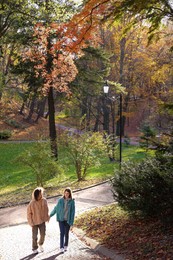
120, 125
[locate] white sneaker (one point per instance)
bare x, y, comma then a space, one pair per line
35, 251
65, 248
62, 250
41, 249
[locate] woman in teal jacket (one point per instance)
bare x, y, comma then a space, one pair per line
65, 212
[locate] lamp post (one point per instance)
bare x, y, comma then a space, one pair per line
120, 125
106, 91
106, 88
106, 110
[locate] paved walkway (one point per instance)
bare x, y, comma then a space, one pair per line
15, 233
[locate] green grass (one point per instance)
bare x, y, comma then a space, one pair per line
18, 181
13, 174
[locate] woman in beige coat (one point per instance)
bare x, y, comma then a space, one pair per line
37, 215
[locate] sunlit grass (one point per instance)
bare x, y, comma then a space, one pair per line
18, 181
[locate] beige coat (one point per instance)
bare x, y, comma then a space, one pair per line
37, 212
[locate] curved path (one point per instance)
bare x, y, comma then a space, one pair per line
15, 233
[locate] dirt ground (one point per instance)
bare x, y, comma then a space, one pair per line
21, 129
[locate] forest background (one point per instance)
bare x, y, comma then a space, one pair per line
55, 58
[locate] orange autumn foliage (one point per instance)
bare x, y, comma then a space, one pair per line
58, 44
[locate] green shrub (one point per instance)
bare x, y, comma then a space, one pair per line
39, 159
148, 133
5, 134
111, 147
85, 151
146, 186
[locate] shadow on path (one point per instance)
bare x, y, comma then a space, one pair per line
28, 257
52, 257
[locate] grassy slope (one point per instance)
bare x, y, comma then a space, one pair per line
18, 181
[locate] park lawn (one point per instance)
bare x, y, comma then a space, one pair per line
135, 237
18, 181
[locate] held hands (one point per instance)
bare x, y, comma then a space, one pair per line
71, 228
48, 219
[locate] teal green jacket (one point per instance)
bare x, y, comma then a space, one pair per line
59, 211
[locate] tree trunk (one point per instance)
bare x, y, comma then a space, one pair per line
105, 115
97, 121
121, 80
52, 127
47, 114
22, 108
2, 85
88, 115
78, 170
31, 111
41, 108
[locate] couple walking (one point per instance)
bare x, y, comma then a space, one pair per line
37, 215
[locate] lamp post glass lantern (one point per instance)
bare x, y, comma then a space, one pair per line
106, 90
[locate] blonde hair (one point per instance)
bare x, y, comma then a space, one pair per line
37, 192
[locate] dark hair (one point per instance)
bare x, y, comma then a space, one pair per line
37, 192
69, 191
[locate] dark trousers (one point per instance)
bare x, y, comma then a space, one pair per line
42, 229
64, 233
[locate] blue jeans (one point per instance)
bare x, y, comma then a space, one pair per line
64, 233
